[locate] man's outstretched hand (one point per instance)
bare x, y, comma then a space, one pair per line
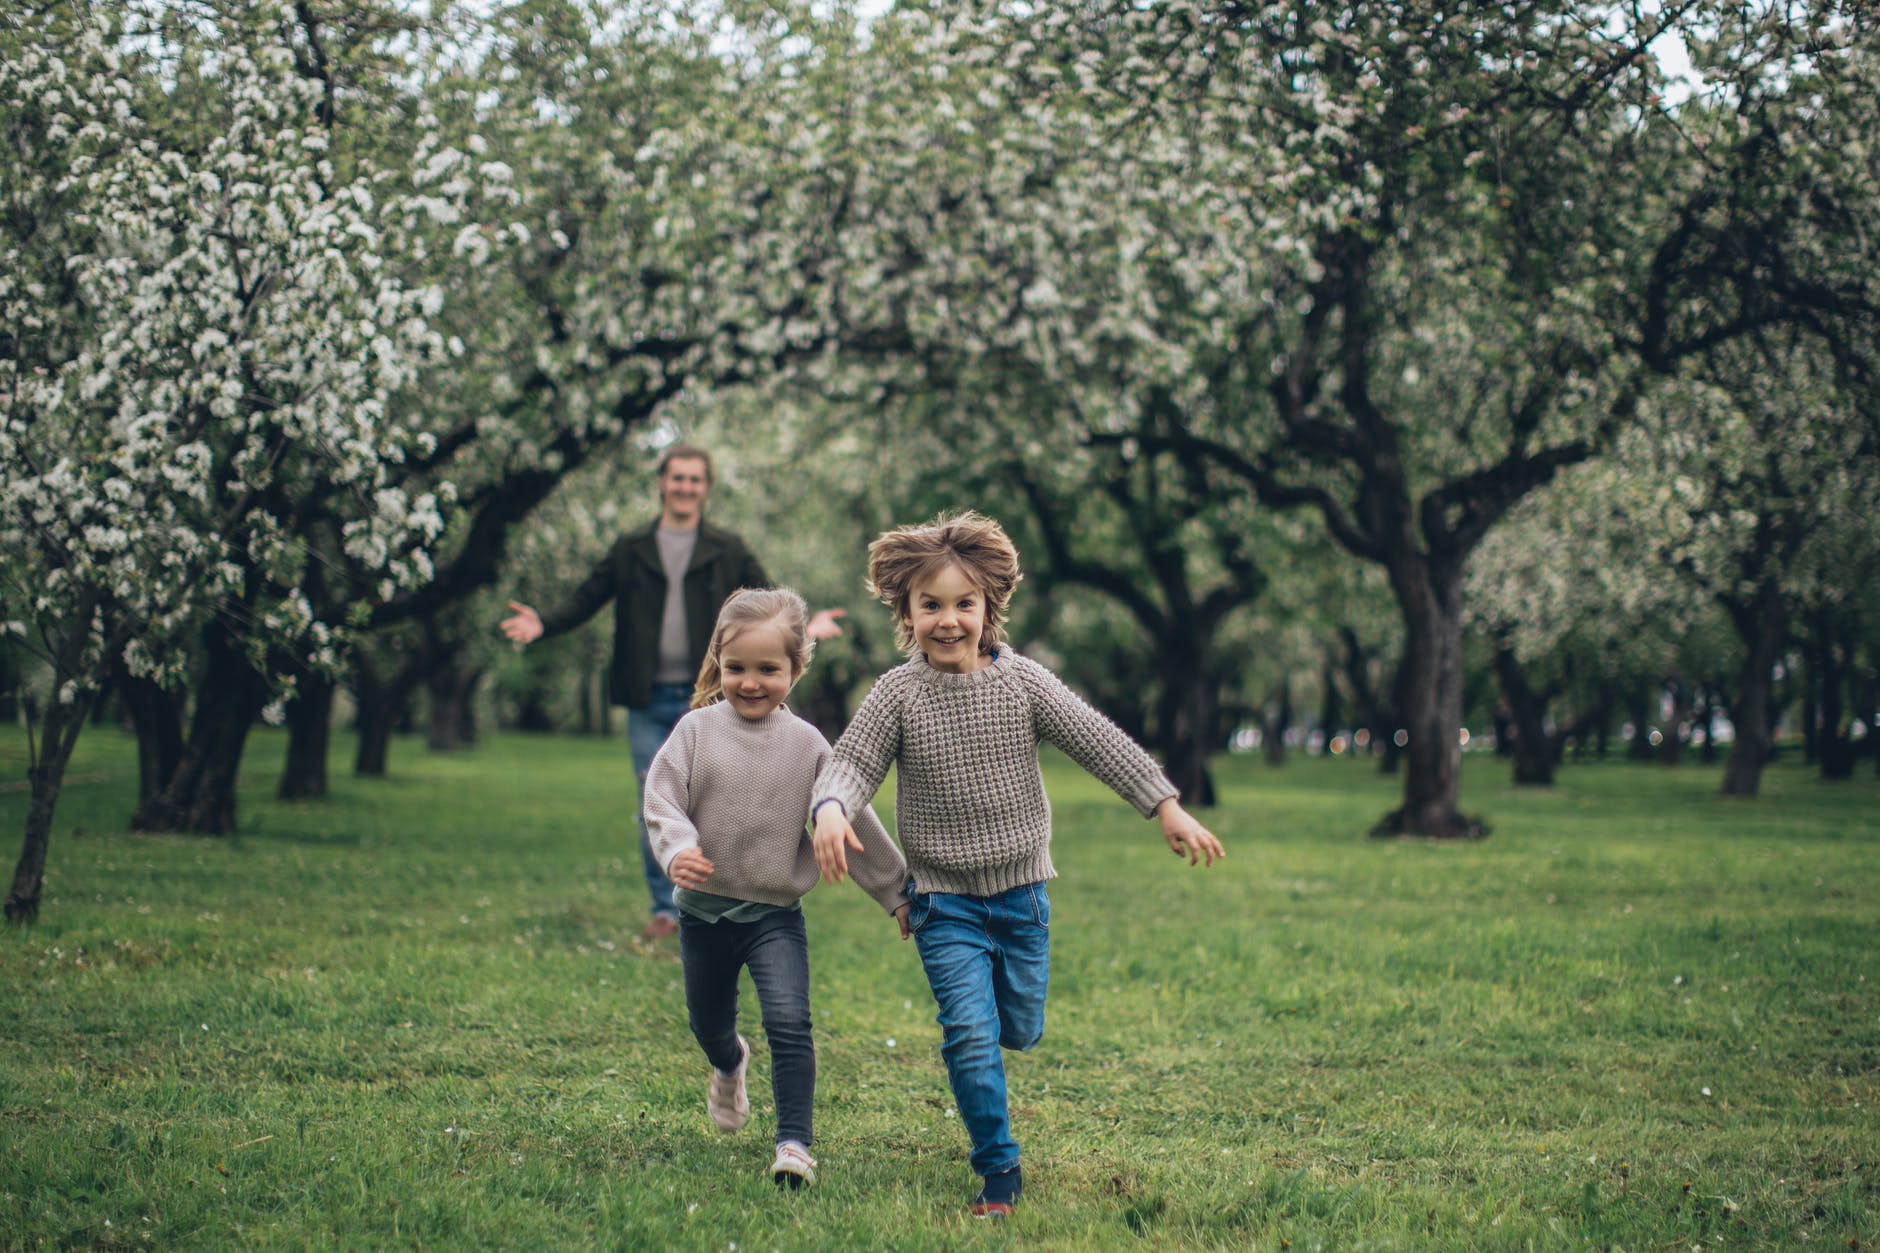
525, 627
823, 624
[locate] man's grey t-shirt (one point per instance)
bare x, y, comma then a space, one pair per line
675, 653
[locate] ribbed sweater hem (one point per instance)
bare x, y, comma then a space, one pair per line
984, 880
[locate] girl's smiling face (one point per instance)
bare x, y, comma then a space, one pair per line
755, 670
947, 614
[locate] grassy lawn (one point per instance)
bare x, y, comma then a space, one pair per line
415, 1015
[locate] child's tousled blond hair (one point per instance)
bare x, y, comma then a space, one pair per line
901, 559
745, 608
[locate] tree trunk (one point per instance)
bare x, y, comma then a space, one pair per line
1188, 716
1368, 715
1826, 665
1866, 698
157, 720
200, 794
1534, 755
453, 716
382, 707
822, 700
1430, 595
1639, 706
1331, 703
1392, 734
59, 729
595, 712
1763, 624
309, 735
532, 712
1273, 734
1671, 749
1811, 700
374, 719
1706, 722
1602, 727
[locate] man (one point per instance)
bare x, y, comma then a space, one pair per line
667, 579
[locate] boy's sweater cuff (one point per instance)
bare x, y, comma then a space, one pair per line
1146, 794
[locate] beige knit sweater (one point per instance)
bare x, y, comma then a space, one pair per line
738, 791
969, 806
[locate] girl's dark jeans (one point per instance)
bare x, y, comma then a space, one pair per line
776, 948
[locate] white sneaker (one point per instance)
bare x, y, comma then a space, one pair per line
793, 1167
725, 1098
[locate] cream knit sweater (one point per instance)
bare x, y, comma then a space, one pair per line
738, 791
970, 809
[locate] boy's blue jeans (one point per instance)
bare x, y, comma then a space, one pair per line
988, 960
647, 729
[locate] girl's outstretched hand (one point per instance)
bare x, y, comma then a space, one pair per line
833, 836
690, 868
1185, 836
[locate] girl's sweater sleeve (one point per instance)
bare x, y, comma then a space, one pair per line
1060, 716
667, 803
862, 756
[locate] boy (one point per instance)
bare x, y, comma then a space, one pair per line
962, 720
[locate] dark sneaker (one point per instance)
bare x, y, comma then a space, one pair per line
997, 1195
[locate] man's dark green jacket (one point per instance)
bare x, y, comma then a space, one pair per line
632, 577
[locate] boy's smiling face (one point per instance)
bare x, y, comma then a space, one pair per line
755, 670
946, 612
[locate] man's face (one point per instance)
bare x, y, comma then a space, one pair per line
682, 488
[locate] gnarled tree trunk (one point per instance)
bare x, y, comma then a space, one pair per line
382, 705
1188, 716
157, 720
309, 735
1764, 625
1279, 716
452, 687
59, 726
1429, 592
1828, 673
1533, 749
200, 794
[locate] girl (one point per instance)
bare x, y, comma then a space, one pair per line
963, 719
725, 799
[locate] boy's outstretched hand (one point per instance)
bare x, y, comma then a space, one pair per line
690, 868
1185, 836
832, 833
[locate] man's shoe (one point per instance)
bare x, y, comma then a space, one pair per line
725, 1098
793, 1166
660, 927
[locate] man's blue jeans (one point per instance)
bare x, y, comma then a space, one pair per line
647, 729
988, 959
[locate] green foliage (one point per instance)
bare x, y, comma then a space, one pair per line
415, 1014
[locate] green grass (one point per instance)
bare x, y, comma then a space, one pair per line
414, 1015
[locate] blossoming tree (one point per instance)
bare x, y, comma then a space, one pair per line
1426, 262
213, 327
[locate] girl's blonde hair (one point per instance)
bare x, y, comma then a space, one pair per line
748, 607
908, 556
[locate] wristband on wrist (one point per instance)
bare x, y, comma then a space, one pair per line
828, 800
